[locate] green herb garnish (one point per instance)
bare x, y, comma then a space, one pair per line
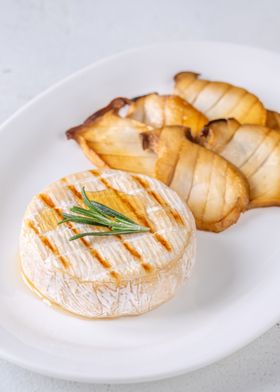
98, 214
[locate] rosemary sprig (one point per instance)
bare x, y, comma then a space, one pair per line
98, 214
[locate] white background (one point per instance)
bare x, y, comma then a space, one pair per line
42, 41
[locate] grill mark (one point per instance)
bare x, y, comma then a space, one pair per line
135, 254
131, 249
177, 217
94, 172
101, 260
115, 275
163, 241
141, 218
45, 199
105, 264
48, 201
48, 244
75, 192
147, 267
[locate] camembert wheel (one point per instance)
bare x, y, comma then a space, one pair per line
98, 277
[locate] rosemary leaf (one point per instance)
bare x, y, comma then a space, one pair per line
79, 219
98, 214
104, 210
107, 233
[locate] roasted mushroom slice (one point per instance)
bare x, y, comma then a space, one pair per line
220, 100
110, 140
255, 150
216, 191
160, 110
273, 119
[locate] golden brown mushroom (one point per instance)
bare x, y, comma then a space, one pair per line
213, 188
160, 110
255, 150
273, 119
220, 100
110, 140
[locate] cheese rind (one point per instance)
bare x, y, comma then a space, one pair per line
99, 277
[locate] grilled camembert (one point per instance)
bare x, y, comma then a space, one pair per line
98, 277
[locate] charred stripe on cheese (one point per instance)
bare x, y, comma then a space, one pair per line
141, 218
140, 181
75, 192
86, 288
49, 202
48, 244
130, 248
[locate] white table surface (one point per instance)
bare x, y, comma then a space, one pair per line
42, 41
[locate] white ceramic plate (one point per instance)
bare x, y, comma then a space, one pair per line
234, 293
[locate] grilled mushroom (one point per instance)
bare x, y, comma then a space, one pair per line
255, 150
213, 188
160, 110
273, 120
220, 100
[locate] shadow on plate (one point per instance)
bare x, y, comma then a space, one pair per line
212, 281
